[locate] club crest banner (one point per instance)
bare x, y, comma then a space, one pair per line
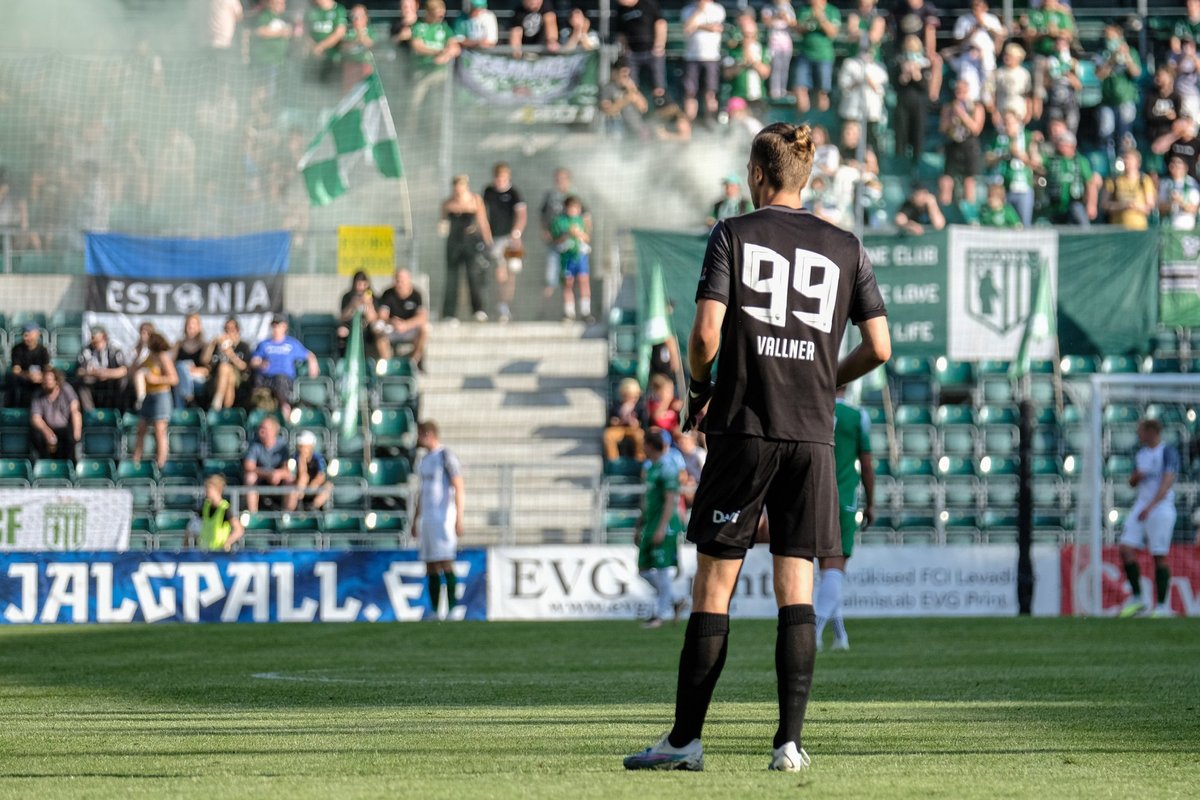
551, 88
1179, 277
65, 519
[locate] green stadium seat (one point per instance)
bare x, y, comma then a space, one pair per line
101, 442
623, 468
349, 541
623, 341
382, 522
95, 473
1118, 467
959, 435
622, 368
172, 521
1000, 536
19, 319
918, 537
15, 473
393, 431
1121, 438
352, 446
397, 391
876, 415
998, 430
953, 379
14, 432
387, 482
959, 482
231, 468
66, 342
227, 416
226, 441
303, 540
316, 392
171, 541
318, 332
1073, 366
65, 319
302, 417
297, 523
48, 472
259, 521
180, 493
142, 523
627, 495
147, 470
1045, 440
1119, 365
912, 378
918, 485
914, 430
875, 536
962, 536
342, 522
254, 420
878, 434
261, 541
141, 541
142, 482
1122, 413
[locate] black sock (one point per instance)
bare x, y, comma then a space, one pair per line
704, 647
1134, 574
451, 588
435, 591
795, 652
1162, 583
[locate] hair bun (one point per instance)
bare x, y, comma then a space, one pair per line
802, 138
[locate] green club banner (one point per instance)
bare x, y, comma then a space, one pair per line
1179, 279
549, 88
911, 272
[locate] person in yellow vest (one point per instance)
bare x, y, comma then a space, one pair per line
219, 528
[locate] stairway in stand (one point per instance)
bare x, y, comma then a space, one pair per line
522, 405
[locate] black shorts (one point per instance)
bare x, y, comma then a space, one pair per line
963, 159
693, 71
796, 482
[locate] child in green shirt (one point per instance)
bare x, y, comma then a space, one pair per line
572, 241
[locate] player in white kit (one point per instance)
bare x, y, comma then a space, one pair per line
438, 520
1151, 521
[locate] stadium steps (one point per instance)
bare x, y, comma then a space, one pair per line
519, 404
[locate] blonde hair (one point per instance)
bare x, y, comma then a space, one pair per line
216, 479
784, 153
1015, 49
434, 5
628, 386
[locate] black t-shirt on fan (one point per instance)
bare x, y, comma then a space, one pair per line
790, 282
636, 23
501, 209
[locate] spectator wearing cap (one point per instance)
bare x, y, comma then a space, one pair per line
102, 374
274, 363
1178, 197
732, 203
1130, 195
920, 211
747, 65
743, 124
307, 467
1072, 188
30, 359
1118, 68
642, 32
266, 462
55, 417
479, 29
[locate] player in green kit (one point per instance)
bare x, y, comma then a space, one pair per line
851, 453
326, 24
660, 529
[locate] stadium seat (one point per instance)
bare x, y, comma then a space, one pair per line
875, 536
261, 541
318, 332
349, 483
387, 482
348, 541
49, 472
1045, 440
393, 431
255, 418
1119, 365
66, 342
394, 368
226, 441
962, 536
1127, 413
316, 392
297, 523
994, 385
1043, 390
14, 432
352, 446
180, 493
912, 379
1165, 365
341, 522
623, 468
142, 523
1073, 366
15, 473
959, 482
383, 523
918, 537
956, 425
140, 541
171, 541
231, 468
954, 380
1000, 536
397, 391
914, 429
998, 430
918, 486
1121, 438
227, 416
259, 521
101, 433
95, 473
172, 521
623, 341
1000, 481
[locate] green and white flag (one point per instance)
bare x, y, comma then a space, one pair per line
1042, 323
656, 327
359, 135
353, 373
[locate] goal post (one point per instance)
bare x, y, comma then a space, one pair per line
1172, 398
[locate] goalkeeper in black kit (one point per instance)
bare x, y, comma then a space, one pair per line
777, 289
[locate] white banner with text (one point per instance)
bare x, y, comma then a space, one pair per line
65, 519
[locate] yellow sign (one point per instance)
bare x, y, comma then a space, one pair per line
370, 248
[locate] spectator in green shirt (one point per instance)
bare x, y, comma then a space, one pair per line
357, 60
1118, 68
269, 37
1072, 189
818, 26
996, 211
433, 41
326, 24
748, 64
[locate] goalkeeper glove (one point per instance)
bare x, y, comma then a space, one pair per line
699, 393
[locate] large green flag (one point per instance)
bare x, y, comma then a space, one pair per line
358, 135
1041, 324
353, 371
656, 326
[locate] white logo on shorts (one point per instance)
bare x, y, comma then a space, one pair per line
720, 517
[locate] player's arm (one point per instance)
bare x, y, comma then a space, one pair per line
670, 503
874, 349
460, 501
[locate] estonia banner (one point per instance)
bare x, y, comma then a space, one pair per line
136, 279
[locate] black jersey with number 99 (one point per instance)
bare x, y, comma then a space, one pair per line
789, 282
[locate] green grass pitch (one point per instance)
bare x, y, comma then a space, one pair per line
1060, 708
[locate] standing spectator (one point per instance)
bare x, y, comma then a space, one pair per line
190, 363
274, 363
694, 458
229, 363
219, 529
223, 19
479, 29
438, 520
1186, 66
534, 25
1178, 197
578, 34
55, 417
1163, 106
866, 20
1042, 27
1072, 188
985, 31
308, 475
433, 42
818, 24
862, 82
1014, 87
403, 318
642, 32
703, 25
1181, 141
622, 103
919, 18
657, 536
919, 211
360, 298
747, 65
731, 204
468, 237
962, 122
626, 416
1014, 158
572, 240
507, 216
30, 359
1188, 28
269, 35
326, 24
14, 211
1118, 69
914, 82
266, 463
779, 18
1130, 194
102, 374
400, 34
552, 207
160, 377
357, 60
663, 408
1063, 81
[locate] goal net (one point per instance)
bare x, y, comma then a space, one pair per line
1104, 428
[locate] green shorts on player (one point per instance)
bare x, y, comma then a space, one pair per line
851, 439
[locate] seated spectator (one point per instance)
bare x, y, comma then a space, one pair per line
533, 25
102, 375
847, 148
747, 65
732, 204
30, 359
622, 103
830, 193
671, 124
478, 29
962, 122
624, 434
1178, 197
1013, 158
1130, 194
159, 373
1072, 188
56, 418
360, 297
313, 488
919, 211
218, 528
266, 463
190, 362
663, 408
229, 361
1118, 69
274, 363
996, 211
1014, 87
403, 318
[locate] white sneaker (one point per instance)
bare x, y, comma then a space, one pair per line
841, 644
663, 756
1162, 612
481, 316
787, 758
